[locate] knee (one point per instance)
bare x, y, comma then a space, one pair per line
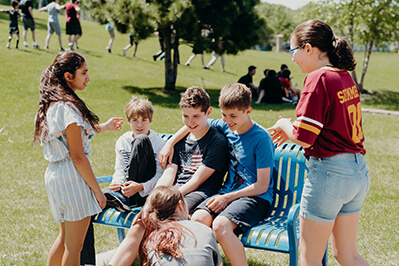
203, 217
221, 226
346, 256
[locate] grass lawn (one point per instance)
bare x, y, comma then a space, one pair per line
27, 229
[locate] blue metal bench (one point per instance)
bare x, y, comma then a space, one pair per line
279, 232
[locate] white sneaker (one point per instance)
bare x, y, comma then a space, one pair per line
8, 45
26, 44
124, 52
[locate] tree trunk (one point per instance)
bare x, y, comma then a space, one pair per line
367, 53
170, 79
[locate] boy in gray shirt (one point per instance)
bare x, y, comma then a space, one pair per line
53, 24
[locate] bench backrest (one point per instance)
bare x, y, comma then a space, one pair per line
289, 175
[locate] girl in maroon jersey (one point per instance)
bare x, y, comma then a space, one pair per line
329, 127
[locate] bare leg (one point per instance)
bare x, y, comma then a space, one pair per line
223, 62
135, 50
47, 41
60, 41
261, 94
111, 40
234, 250
24, 35
57, 249
202, 216
313, 240
343, 240
190, 59
75, 233
33, 36
202, 60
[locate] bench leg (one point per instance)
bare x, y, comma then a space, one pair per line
121, 234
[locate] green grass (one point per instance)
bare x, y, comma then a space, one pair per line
27, 229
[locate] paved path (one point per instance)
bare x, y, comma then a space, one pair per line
379, 111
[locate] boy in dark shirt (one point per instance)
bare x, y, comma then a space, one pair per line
200, 158
14, 16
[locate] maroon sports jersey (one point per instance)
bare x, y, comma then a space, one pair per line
329, 115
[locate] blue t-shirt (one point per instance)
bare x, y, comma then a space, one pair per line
248, 152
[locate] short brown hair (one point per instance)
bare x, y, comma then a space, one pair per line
235, 95
195, 97
139, 107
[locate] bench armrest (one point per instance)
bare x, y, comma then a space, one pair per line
104, 179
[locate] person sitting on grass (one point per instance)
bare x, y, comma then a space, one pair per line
200, 158
166, 236
247, 193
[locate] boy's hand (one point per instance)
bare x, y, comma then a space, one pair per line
165, 153
130, 188
218, 203
115, 187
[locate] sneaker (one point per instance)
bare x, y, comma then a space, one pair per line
62, 49
154, 57
187, 64
117, 201
70, 45
109, 51
205, 67
8, 45
26, 44
46, 47
35, 45
124, 52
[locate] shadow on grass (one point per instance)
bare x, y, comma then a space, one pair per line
384, 99
170, 99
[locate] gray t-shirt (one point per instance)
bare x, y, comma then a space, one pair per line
200, 250
52, 10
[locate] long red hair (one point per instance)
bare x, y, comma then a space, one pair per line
163, 234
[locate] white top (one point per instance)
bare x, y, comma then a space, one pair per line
123, 149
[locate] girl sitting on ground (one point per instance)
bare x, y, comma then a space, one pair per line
166, 237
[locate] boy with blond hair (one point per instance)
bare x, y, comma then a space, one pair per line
137, 168
199, 162
247, 193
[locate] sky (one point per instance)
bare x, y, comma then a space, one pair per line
293, 4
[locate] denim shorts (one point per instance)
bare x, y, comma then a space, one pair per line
245, 212
334, 186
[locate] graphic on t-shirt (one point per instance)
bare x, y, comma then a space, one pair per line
238, 181
190, 162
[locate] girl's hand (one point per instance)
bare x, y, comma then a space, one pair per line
165, 153
114, 124
101, 199
278, 134
130, 188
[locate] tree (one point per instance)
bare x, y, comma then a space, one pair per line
368, 23
181, 21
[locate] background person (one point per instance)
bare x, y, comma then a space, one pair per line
73, 28
329, 127
13, 26
28, 21
53, 24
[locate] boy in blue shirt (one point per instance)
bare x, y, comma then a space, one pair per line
247, 193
